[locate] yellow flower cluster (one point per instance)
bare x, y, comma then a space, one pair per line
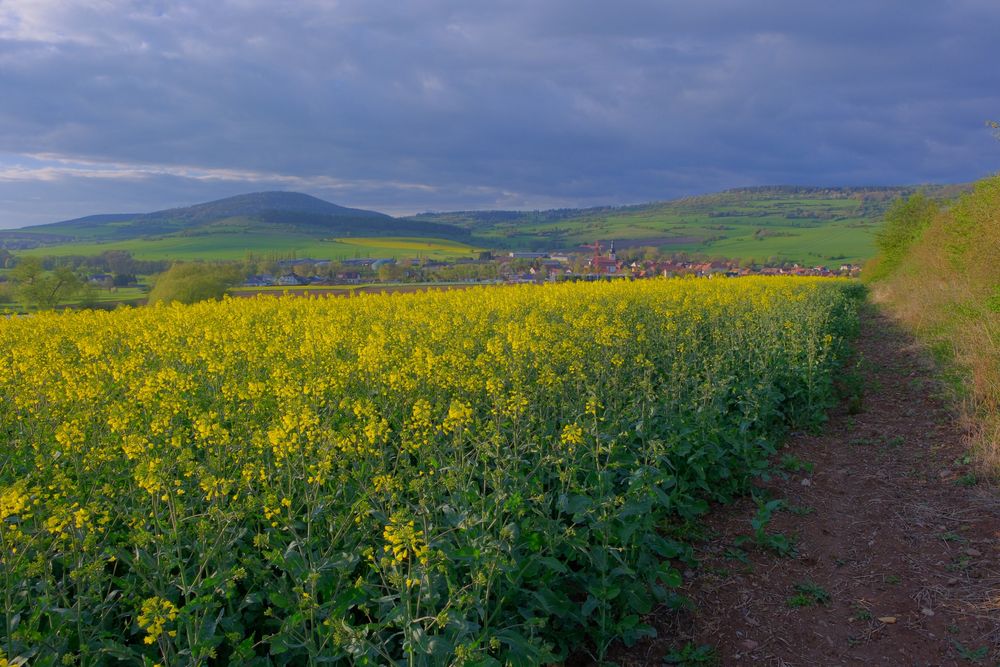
572, 435
13, 501
459, 416
403, 541
156, 613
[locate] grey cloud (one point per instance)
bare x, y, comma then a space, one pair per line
494, 104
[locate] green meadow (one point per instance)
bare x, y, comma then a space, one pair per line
234, 246
786, 228
809, 225
98, 296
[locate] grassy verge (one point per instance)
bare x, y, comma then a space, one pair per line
938, 273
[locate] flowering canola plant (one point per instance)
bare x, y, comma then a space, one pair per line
476, 477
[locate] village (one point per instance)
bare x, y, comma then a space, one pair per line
521, 267
115, 277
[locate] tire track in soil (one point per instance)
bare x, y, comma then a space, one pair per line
896, 532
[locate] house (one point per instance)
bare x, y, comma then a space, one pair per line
291, 280
349, 277
604, 265
102, 279
262, 280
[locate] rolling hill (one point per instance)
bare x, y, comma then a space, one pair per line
290, 212
788, 223
283, 223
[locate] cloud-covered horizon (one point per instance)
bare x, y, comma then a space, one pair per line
138, 105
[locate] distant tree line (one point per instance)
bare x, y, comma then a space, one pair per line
41, 283
109, 261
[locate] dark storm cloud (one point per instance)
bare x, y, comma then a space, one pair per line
118, 105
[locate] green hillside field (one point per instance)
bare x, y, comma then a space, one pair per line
774, 224
233, 246
810, 225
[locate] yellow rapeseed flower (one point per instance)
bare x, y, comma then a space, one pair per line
156, 613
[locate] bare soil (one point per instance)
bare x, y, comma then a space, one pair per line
888, 520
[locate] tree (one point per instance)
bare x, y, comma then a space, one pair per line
123, 280
905, 221
41, 289
190, 282
6, 292
118, 261
389, 272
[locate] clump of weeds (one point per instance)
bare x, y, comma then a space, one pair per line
779, 543
691, 655
807, 594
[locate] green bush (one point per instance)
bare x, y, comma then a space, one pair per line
190, 282
904, 223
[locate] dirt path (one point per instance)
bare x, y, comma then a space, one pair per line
897, 545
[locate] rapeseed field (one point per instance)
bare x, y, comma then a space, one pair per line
492, 476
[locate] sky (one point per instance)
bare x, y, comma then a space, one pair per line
138, 105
